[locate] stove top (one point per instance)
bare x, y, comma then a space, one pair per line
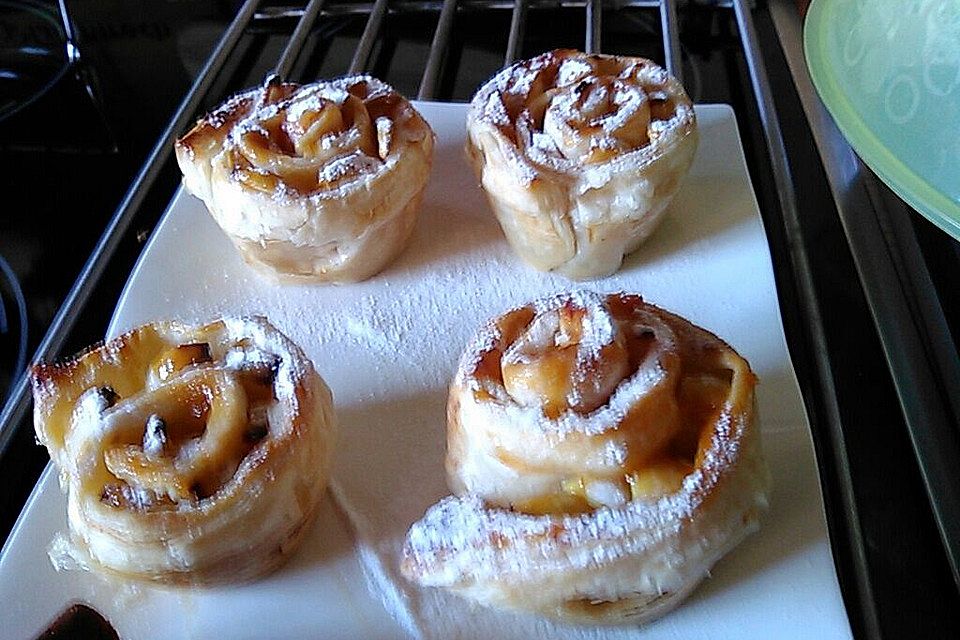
73, 153
78, 115
33, 56
74, 130
13, 327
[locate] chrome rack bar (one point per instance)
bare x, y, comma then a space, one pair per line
901, 296
671, 38
297, 40
431, 73
362, 54
342, 7
19, 401
76, 61
904, 327
517, 22
809, 307
594, 26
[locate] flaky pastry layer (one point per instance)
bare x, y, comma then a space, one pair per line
188, 454
320, 182
604, 496
580, 155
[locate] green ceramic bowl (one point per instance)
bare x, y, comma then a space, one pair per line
889, 73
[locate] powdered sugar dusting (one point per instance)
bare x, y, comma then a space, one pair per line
376, 572
599, 330
583, 111
385, 129
347, 166
154, 436
311, 98
573, 69
495, 111
292, 366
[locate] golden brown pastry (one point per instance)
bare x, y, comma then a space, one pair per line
604, 454
580, 155
320, 182
188, 454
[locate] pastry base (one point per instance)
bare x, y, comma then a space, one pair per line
285, 262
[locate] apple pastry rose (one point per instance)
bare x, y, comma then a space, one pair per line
188, 454
320, 182
579, 156
604, 454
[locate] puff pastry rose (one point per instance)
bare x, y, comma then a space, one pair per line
579, 155
604, 454
320, 182
188, 454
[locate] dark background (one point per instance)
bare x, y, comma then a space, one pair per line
68, 156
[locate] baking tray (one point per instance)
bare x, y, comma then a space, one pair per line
388, 348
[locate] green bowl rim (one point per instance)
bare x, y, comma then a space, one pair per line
918, 192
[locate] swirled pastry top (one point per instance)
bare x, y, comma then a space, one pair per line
604, 453
289, 140
318, 183
596, 395
188, 453
565, 112
579, 156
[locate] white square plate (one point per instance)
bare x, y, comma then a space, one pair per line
388, 348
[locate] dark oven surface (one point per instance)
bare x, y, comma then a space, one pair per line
865, 284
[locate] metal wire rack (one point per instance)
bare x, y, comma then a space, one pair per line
931, 419
307, 17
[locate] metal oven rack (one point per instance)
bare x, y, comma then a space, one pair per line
910, 326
